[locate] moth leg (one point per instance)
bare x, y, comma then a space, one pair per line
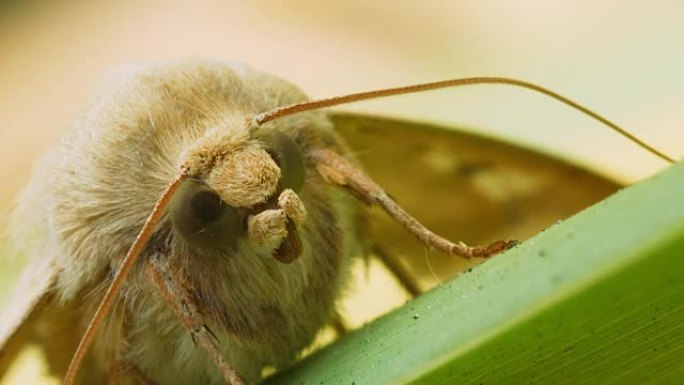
186, 310
398, 269
336, 169
337, 323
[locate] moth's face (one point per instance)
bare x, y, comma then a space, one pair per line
239, 192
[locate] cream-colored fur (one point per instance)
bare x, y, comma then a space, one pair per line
92, 194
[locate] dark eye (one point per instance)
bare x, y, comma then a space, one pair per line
200, 216
287, 154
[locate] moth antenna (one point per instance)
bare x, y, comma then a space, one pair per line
131, 256
279, 112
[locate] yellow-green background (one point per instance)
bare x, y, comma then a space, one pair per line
623, 58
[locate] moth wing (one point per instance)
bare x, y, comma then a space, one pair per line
463, 186
33, 293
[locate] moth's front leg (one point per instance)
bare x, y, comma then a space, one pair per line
337, 170
186, 310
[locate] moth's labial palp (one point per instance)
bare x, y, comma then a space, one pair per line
276, 228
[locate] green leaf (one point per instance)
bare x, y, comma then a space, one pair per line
598, 298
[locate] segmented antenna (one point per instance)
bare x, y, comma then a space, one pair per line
114, 287
280, 112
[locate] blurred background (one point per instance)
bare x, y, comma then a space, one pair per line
623, 58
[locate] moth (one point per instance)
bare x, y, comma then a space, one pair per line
198, 222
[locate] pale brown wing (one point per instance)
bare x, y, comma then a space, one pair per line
32, 293
463, 186
34, 317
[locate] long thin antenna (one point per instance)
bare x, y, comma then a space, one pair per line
114, 288
279, 112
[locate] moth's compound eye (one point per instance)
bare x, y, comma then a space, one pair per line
200, 216
287, 154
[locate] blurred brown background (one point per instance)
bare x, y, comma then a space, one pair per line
623, 58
